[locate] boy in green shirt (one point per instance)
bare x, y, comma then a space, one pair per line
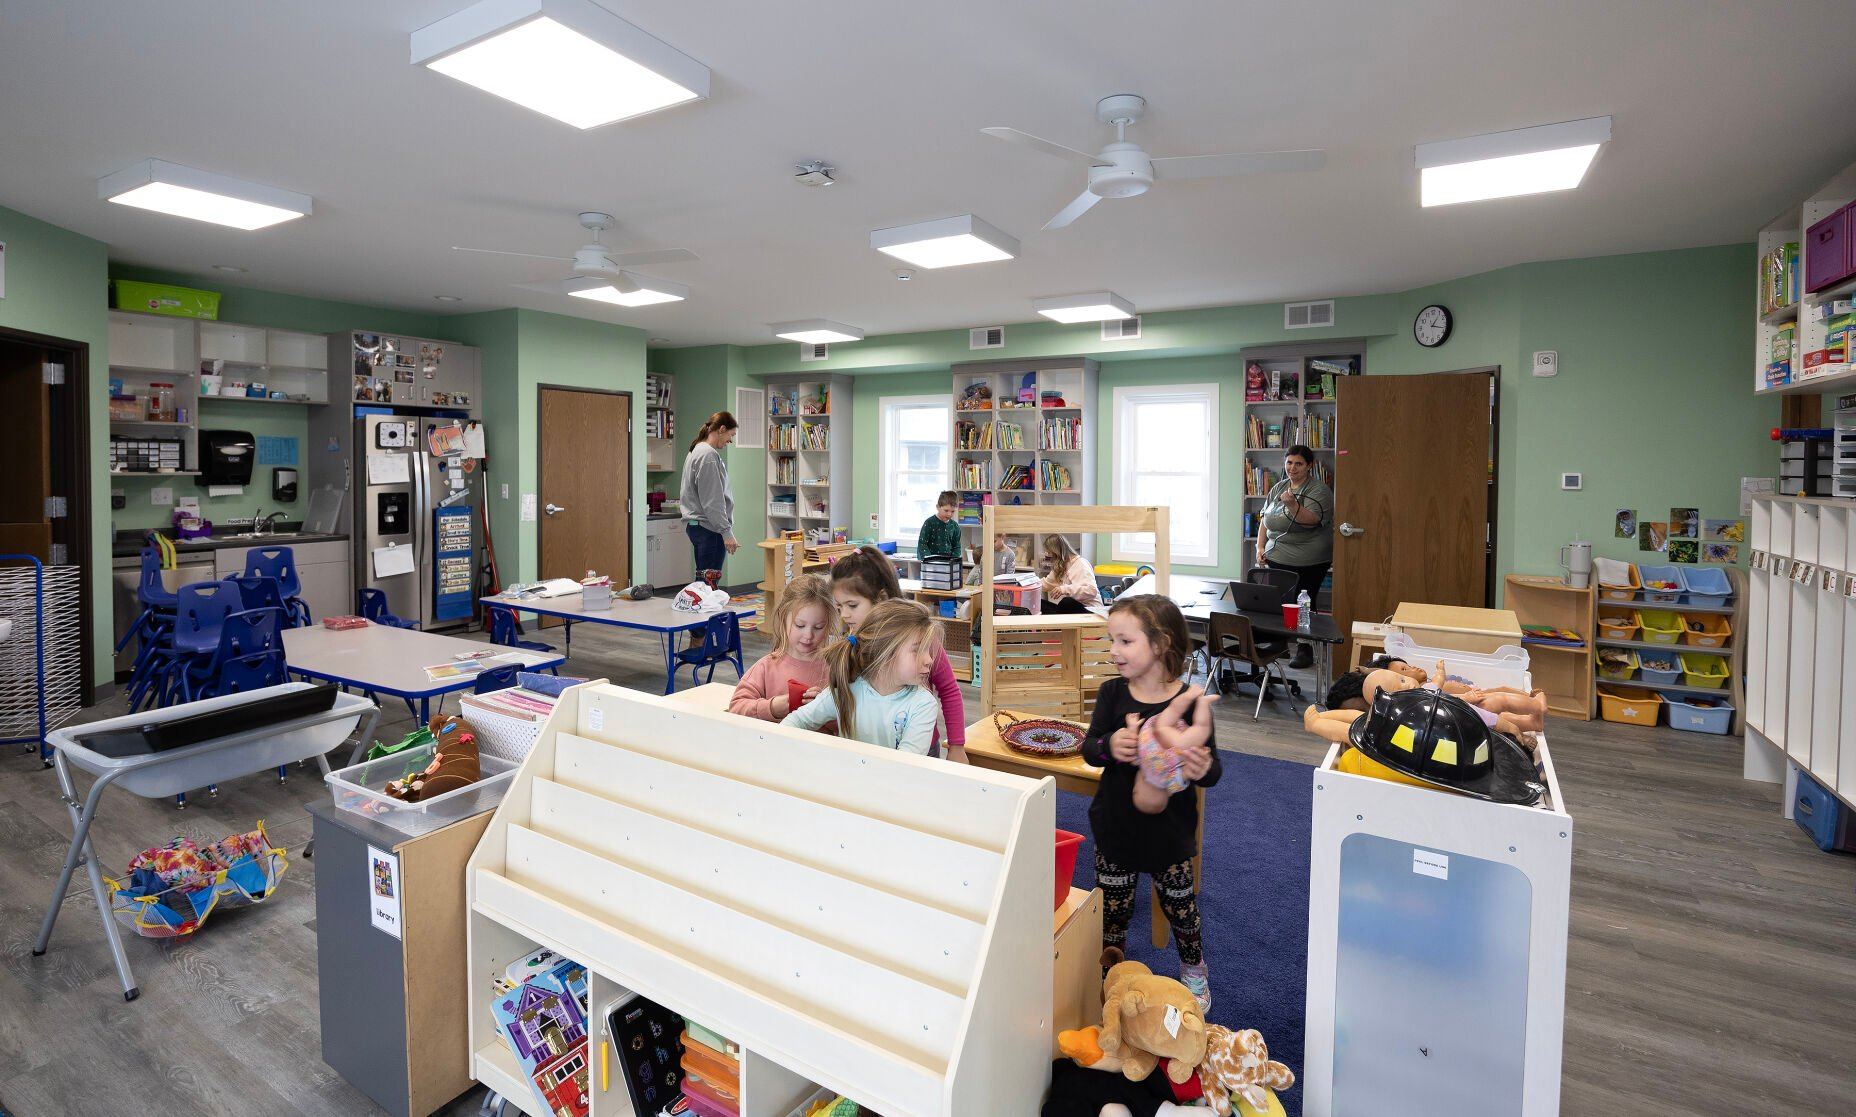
940, 535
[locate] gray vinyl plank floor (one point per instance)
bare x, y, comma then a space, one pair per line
1710, 959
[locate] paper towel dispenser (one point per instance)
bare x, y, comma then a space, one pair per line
226, 457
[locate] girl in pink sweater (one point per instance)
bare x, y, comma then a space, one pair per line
795, 668
866, 577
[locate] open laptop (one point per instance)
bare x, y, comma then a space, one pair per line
1254, 597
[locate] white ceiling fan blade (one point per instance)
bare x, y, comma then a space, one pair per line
1035, 143
502, 252
660, 256
1074, 210
1242, 163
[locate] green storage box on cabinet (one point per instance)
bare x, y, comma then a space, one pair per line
165, 298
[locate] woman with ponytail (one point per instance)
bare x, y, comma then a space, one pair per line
878, 693
708, 505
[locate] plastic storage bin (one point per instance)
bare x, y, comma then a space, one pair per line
1706, 630
1617, 626
1820, 815
1661, 584
1705, 585
1617, 664
1660, 626
1617, 580
1067, 845
1629, 705
1659, 668
359, 789
1703, 670
165, 298
1699, 715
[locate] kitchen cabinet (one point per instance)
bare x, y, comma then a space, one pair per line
322, 568
668, 560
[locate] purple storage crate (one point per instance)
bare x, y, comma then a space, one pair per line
1827, 251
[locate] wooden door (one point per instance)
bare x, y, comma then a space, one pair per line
1412, 492
26, 452
584, 495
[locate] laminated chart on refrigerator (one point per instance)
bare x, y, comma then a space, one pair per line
452, 545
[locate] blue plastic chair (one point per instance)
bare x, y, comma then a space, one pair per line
497, 678
257, 591
721, 643
248, 656
280, 563
200, 609
504, 631
372, 605
153, 630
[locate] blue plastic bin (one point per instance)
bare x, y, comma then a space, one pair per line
1821, 816
1705, 585
1688, 714
1650, 674
1672, 574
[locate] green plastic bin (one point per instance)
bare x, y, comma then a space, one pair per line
164, 298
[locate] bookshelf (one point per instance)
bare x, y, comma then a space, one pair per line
808, 461
660, 424
1024, 435
1280, 411
1566, 674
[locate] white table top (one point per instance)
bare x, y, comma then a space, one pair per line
657, 613
387, 659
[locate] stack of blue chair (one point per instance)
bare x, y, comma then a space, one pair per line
153, 632
280, 563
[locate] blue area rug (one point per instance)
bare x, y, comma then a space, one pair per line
1253, 900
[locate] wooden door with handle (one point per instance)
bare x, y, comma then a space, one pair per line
585, 485
1412, 493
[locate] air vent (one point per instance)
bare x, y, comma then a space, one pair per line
986, 337
814, 351
1122, 329
1307, 316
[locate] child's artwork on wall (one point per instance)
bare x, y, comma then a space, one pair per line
1652, 535
1684, 523
1625, 524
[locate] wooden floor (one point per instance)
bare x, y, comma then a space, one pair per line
1712, 963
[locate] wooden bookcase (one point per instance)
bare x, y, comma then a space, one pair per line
990, 442
1566, 674
808, 454
870, 921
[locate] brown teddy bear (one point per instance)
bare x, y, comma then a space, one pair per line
1145, 1019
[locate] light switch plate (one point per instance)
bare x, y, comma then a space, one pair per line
1572, 482
1546, 362
161, 496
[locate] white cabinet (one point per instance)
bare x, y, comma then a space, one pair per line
668, 560
232, 343
152, 341
322, 569
126, 607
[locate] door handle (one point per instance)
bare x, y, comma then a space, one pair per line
551, 508
1350, 531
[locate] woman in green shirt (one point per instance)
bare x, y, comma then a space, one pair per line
1296, 530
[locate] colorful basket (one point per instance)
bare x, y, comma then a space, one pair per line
1047, 737
197, 883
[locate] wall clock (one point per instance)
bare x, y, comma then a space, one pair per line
1431, 327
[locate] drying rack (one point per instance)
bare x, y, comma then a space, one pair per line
40, 673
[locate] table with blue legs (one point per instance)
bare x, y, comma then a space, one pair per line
654, 615
381, 659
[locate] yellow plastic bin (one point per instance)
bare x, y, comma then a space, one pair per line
1629, 705
1660, 626
1703, 670
1706, 630
1617, 626
1617, 664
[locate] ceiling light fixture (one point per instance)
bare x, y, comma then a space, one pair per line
448, 298
627, 288
202, 195
1093, 306
815, 173
231, 268
817, 331
569, 59
945, 243
1508, 164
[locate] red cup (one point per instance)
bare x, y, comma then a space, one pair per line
1292, 614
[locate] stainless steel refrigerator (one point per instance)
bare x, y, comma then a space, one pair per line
417, 528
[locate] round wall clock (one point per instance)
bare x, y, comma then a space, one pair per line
1431, 327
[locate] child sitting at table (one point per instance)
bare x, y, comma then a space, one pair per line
802, 625
940, 535
864, 579
1069, 584
878, 675
1151, 735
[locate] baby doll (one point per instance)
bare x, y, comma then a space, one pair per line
1526, 712
1162, 774
1393, 663
1332, 725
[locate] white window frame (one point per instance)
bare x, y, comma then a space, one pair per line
889, 469
1139, 546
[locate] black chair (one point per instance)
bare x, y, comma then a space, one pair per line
1230, 637
1284, 580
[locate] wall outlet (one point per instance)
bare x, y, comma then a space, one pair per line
1546, 362
1572, 482
528, 507
873, 523
505, 490
161, 497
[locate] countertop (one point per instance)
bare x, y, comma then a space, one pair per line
129, 544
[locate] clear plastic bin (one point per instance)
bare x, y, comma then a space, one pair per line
361, 789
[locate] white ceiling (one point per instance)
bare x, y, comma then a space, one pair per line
1725, 113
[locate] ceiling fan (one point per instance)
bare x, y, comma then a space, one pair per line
1123, 170
606, 276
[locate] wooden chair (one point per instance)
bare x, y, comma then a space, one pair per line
1229, 636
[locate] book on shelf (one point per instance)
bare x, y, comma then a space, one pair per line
1010, 436
1551, 636
1016, 477
786, 471
1063, 433
783, 405
1258, 481
1054, 478
971, 504
816, 437
783, 436
974, 475
973, 436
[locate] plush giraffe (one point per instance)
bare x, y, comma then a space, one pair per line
1238, 1065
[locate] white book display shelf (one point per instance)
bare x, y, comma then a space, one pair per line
855, 918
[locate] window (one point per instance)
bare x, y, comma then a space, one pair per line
1165, 453
917, 436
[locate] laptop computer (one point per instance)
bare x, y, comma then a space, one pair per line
1254, 597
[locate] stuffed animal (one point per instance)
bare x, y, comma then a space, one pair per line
454, 763
1237, 1067
1147, 1018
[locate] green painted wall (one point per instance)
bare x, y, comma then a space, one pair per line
705, 381
56, 282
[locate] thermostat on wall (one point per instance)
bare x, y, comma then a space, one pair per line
1546, 362
1572, 481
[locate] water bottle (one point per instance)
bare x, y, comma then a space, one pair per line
1303, 607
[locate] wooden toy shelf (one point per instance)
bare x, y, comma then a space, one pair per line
1564, 673
855, 918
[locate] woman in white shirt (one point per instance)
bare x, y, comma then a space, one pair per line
1069, 584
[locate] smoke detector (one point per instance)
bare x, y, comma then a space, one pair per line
904, 274
815, 173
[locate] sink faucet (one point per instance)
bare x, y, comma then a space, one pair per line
270, 521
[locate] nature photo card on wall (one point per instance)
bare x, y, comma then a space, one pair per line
1624, 526
1683, 550
1727, 531
1684, 523
1652, 535
1727, 553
